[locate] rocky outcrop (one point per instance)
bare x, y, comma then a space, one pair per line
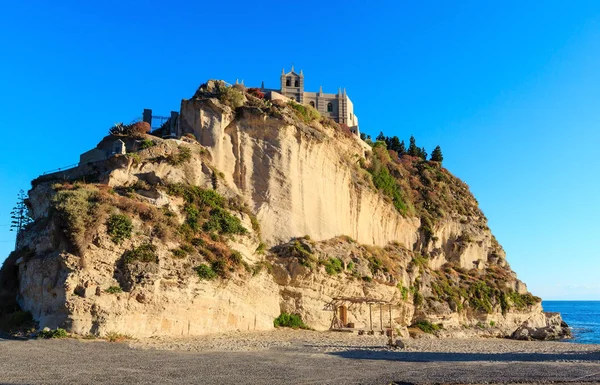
264, 212
549, 327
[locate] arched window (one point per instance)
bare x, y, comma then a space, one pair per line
329, 107
312, 104
288, 82
296, 83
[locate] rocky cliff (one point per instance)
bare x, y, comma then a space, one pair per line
263, 208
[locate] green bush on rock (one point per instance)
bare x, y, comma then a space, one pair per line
119, 228
293, 321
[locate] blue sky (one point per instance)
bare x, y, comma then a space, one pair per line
509, 89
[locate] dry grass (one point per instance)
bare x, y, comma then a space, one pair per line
117, 337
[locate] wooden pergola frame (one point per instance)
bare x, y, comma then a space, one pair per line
337, 302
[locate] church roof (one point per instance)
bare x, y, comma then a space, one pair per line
292, 72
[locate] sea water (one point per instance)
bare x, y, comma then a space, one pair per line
582, 316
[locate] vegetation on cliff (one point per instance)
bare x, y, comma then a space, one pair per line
482, 291
159, 229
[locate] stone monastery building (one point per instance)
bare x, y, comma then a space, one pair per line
335, 106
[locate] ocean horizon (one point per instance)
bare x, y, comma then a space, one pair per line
582, 316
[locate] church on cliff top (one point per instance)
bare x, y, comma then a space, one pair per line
338, 106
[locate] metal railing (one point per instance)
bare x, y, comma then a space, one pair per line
61, 169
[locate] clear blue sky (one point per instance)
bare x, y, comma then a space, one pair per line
509, 89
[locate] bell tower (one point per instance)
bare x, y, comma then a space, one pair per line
292, 85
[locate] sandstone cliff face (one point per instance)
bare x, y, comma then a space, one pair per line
309, 226
300, 180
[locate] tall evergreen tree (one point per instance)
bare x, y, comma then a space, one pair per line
436, 155
423, 153
388, 142
394, 144
413, 150
380, 137
401, 149
363, 136
20, 217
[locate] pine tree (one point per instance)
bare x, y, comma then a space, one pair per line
423, 153
436, 155
413, 150
380, 137
388, 142
394, 144
363, 136
401, 149
20, 217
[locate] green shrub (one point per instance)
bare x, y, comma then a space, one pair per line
403, 291
57, 333
386, 183
114, 290
236, 258
261, 248
375, 265
78, 211
302, 252
206, 209
306, 113
293, 321
419, 261
427, 326
135, 158
334, 266
179, 253
479, 296
146, 252
119, 227
522, 301
230, 96
223, 222
220, 267
183, 155
205, 272
418, 298
147, 143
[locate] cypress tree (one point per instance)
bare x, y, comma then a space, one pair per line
413, 150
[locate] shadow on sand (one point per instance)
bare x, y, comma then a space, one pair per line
390, 355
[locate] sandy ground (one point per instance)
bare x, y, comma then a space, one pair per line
297, 357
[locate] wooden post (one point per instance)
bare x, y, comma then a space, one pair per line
392, 343
370, 318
